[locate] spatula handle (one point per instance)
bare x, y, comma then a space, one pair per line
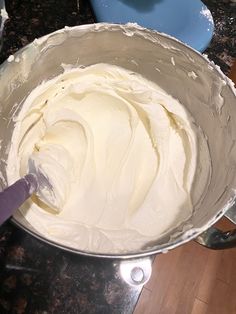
15, 195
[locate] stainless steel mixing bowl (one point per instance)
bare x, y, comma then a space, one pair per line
184, 73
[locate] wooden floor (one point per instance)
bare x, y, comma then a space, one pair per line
192, 280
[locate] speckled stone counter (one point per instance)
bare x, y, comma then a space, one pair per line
222, 49
35, 277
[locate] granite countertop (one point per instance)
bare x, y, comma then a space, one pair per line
35, 277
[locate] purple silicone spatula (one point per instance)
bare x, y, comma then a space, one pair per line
16, 194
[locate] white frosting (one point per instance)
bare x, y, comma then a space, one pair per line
120, 153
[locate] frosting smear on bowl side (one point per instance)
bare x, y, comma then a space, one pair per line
121, 155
